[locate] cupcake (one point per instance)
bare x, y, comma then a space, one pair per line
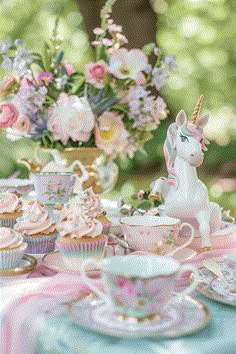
12, 248
80, 238
37, 228
10, 209
92, 206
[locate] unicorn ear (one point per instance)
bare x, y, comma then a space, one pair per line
181, 118
202, 121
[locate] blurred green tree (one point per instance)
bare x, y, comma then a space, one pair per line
201, 33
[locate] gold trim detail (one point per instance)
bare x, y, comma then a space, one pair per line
21, 270
70, 304
132, 319
124, 223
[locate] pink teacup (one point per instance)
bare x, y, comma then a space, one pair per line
138, 287
154, 234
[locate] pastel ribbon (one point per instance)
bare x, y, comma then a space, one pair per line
24, 304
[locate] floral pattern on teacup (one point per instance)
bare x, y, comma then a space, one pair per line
54, 191
137, 297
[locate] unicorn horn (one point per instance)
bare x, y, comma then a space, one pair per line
196, 111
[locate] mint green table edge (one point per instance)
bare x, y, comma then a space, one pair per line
60, 335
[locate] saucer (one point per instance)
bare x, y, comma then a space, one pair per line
22, 186
185, 316
214, 288
53, 260
26, 266
226, 229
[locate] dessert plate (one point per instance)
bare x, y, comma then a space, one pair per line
53, 260
22, 186
26, 266
183, 316
214, 288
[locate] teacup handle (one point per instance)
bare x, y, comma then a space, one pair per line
190, 239
185, 268
89, 282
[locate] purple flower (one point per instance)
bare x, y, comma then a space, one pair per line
7, 63
170, 61
4, 46
159, 77
45, 78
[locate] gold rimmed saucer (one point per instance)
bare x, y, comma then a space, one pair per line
185, 316
27, 264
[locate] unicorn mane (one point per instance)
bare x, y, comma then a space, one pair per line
188, 129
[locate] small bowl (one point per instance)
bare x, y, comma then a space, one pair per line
17, 185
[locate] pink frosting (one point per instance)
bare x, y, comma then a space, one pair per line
90, 202
9, 203
9, 238
81, 226
35, 220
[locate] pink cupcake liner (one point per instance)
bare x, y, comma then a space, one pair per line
11, 258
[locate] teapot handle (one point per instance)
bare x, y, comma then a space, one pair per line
85, 174
53, 152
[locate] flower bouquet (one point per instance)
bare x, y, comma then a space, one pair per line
109, 105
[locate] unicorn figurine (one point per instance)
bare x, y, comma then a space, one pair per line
185, 196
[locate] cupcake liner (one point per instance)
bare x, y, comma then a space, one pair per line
74, 254
90, 246
40, 244
7, 222
11, 258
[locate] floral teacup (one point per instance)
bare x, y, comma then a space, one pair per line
53, 187
155, 234
139, 287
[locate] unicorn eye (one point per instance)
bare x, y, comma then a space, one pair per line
201, 141
183, 138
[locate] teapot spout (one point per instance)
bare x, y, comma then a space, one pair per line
32, 166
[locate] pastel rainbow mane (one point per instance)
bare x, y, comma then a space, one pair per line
170, 152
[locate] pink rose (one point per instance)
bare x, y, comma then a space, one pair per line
22, 124
95, 72
54, 186
8, 114
140, 195
69, 69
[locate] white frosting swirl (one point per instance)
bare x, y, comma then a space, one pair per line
9, 203
89, 202
35, 220
80, 226
9, 238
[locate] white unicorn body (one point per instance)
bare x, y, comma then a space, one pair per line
186, 197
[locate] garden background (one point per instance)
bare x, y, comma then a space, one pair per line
201, 33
